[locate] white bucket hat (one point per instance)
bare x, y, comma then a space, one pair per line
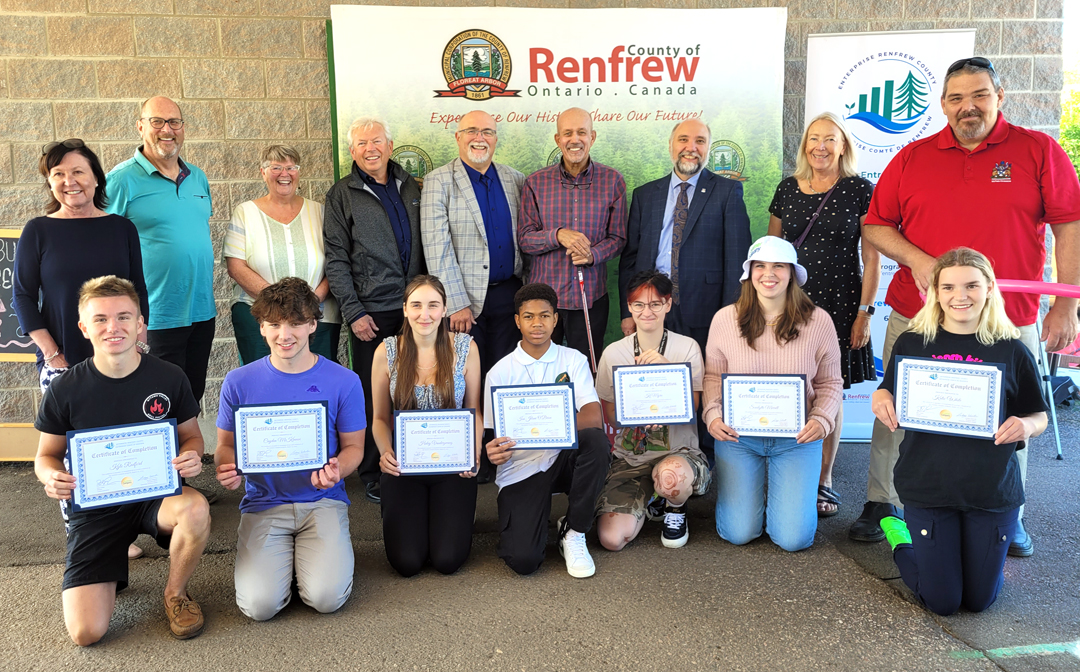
776, 250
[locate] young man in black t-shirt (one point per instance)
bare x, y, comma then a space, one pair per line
119, 386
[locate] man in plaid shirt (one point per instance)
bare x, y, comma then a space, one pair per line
573, 216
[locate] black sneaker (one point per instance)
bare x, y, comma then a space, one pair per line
866, 527
676, 532
654, 510
373, 492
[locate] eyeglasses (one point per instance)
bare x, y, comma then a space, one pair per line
654, 306
159, 123
574, 185
70, 143
488, 133
977, 61
277, 170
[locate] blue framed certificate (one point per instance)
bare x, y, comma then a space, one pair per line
441, 441
764, 405
536, 417
276, 438
945, 397
653, 394
123, 464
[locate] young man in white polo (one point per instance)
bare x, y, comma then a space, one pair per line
293, 522
120, 386
528, 478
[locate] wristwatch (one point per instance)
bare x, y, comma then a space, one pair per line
869, 310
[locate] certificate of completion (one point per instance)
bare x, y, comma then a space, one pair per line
765, 405
947, 397
275, 438
435, 441
121, 464
653, 394
536, 416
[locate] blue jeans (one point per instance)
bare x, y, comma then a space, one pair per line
789, 515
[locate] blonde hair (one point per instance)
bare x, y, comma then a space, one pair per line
994, 323
107, 286
848, 160
278, 154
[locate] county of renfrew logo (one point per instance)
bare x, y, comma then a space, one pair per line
414, 160
726, 159
889, 100
476, 66
1002, 172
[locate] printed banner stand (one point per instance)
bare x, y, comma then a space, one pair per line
887, 89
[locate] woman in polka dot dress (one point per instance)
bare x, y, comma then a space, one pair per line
831, 254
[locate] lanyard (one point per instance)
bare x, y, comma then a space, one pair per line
660, 350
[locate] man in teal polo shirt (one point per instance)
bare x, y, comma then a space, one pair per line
169, 202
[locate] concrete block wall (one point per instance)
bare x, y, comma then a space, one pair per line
247, 72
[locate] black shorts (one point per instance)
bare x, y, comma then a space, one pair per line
98, 540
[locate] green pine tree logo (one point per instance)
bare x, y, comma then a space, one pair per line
911, 97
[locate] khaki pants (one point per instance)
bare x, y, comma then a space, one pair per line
885, 445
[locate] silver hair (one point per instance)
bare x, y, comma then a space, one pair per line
364, 123
278, 153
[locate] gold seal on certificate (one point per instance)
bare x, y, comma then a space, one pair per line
764, 405
946, 397
122, 464
536, 416
438, 441
275, 438
653, 394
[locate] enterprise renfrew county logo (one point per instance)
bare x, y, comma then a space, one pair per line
888, 100
476, 65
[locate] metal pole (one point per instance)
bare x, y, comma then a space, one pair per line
588, 325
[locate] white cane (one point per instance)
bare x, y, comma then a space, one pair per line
588, 326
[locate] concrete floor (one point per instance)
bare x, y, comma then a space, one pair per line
709, 605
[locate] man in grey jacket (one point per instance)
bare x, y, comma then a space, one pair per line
371, 224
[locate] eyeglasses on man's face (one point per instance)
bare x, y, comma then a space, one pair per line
159, 123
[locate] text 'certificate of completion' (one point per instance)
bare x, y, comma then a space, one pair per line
766, 405
946, 397
121, 464
536, 416
435, 441
653, 394
275, 438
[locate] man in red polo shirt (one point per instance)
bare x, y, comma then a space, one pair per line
986, 184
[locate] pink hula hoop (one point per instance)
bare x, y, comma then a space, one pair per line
1032, 287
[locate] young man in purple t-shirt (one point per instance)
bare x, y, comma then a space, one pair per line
299, 518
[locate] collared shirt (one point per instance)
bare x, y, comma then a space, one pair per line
996, 199
498, 225
391, 201
519, 368
663, 253
598, 210
173, 219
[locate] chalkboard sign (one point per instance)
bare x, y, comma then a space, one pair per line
15, 346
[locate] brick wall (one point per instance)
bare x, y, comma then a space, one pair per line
249, 71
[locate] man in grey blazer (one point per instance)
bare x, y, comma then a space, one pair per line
468, 220
698, 234
371, 226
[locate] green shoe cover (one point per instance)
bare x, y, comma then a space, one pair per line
896, 531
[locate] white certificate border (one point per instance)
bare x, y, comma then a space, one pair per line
732, 379
403, 417
76, 440
538, 390
949, 428
243, 411
618, 373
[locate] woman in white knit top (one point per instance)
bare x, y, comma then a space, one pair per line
773, 328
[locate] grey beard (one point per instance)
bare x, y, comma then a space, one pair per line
688, 168
970, 132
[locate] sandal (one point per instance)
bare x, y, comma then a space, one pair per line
826, 496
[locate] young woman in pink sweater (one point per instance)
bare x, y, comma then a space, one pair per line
773, 328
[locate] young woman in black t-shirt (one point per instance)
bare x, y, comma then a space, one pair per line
961, 495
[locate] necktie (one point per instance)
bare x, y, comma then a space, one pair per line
682, 209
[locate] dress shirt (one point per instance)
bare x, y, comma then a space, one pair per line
395, 209
598, 211
663, 253
495, 210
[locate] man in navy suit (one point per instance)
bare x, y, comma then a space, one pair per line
698, 234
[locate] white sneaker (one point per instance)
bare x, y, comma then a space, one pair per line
579, 564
